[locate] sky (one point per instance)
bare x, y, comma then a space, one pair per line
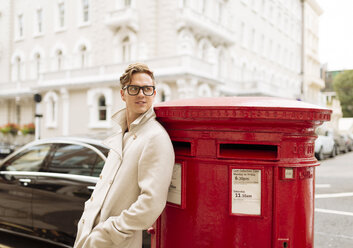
335, 34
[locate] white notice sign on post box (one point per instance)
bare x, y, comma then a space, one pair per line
246, 191
174, 193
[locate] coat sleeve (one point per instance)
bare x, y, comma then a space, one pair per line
154, 176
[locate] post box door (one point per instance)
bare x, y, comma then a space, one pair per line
206, 218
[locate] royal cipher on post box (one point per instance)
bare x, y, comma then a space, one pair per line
244, 173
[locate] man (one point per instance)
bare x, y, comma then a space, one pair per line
132, 189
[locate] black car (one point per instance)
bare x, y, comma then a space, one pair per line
43, 187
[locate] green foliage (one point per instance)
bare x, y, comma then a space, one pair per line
11, 128
28, 129
343, 85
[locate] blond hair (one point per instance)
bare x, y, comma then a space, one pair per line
125, 79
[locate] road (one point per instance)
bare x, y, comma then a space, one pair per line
333, 208
334, 203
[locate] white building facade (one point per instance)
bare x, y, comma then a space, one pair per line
312, 82
72, 52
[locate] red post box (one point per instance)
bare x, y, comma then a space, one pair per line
244, 173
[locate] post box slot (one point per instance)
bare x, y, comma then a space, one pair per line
182, 148
252, 151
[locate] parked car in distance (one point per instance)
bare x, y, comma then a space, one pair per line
6, 149
324, 144
348, 142
350, 137
341, 142
43, 187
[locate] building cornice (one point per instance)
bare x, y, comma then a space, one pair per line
315, 6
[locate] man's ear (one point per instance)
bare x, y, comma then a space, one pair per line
122, 93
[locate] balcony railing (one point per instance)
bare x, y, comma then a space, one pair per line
176, 66
259, 88
205, 26
17, 88
161, 66
123, 17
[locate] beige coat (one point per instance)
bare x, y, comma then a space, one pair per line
133, 185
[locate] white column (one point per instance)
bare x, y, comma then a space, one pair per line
65, 110
182, 88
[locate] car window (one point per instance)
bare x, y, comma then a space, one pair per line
73, 159
98, 166
31, 159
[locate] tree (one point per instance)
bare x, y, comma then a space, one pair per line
343, 85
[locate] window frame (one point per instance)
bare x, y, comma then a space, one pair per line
102, 108
39, 28
19, 27
51, 100
93, 96
94, 148
84, 8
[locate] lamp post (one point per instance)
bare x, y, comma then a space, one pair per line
37, 99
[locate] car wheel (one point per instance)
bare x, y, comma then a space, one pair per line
321, 155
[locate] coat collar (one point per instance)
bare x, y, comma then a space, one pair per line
115, 141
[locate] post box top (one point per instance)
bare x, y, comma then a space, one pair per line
269, 102
244, 107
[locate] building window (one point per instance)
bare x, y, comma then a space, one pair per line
39, 21
52, 110
61, 14
204, 90
18, 63
164, 93
18, 113
85, 10
127, 3
37, 64
262, 44
252, 40
163, 96
51, 100
83, 56
20, 26
99, 102
220, 11
222, 64
203, 6
204, 48
204, 52
126, 46
102, 109
59, 60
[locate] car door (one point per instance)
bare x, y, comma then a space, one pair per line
62, 188
16, 176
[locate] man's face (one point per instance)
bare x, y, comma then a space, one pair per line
139, 104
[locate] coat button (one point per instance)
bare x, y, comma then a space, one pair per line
100, 176
91, 198
111, 182
135, 136
83, 221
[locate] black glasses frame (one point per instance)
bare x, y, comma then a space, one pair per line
140, 87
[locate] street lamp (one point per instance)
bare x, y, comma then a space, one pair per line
37, 99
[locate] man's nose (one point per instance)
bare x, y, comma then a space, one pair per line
140, 93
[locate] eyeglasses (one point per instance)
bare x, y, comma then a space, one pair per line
134, 90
